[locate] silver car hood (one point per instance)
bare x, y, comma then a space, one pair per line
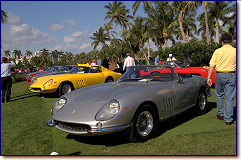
83, 104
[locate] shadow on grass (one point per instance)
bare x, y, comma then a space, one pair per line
23, 96
123, 138
75, 153
107, 140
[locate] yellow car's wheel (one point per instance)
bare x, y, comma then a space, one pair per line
64, 88
109, 79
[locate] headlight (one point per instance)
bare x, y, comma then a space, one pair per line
59, 104
108, 111
48, 83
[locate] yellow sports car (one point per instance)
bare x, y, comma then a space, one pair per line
80, 76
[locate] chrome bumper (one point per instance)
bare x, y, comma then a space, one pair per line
95, 131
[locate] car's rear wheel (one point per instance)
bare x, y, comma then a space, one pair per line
201, 104
64, 88
144, 124
109, 79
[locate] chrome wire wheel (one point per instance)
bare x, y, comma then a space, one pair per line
202, 101
144, 123
66, 88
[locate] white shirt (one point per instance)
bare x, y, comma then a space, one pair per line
129, 61
173, 59
6, 69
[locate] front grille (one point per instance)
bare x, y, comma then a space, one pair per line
72, 126
36, 89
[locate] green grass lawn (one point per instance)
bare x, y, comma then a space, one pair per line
24, 132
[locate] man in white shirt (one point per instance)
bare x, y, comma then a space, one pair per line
171, 58
6, 80
129, 61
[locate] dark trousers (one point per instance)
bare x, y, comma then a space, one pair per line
6, 85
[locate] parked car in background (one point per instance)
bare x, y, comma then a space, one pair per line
82, 76
61, 70
142, 97
181, 68
49, 70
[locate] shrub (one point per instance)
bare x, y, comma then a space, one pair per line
198, 51
18, 77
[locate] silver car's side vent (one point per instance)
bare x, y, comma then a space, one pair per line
168, 104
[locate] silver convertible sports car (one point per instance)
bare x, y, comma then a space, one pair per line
139, 100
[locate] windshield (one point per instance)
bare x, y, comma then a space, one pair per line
53, 68
65, 68
148, 73
80, 69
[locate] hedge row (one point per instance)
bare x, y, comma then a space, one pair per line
199, 52
18, 77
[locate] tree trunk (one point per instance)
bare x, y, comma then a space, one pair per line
217, 31
180, 19
148, 47
206, 22
144, 55
156, 43
165, 39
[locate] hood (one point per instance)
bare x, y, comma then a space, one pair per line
83, 104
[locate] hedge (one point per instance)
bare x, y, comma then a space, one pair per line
199, 52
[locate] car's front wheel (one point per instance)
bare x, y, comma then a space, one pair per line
144, 124
201, 104
109, 79
64, 88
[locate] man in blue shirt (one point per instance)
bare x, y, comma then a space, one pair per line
157, 60
6, 80
99, 62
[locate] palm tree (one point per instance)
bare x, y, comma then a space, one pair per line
183, 8
100, 37
17, 54
118, 14
147, 5
202, 27
189, 26
140, 31
28, 53
178, 7
161, 21
4, 16
205, 4
7, 53
219, 10
45, 52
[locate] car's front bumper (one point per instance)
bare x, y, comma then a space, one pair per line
84, 130
40, 90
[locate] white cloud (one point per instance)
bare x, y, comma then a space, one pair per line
83, 46
21, 36
69, 22
56, 27
77, 36
13, 19
68, 39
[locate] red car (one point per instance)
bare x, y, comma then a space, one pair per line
201, 71
50, 69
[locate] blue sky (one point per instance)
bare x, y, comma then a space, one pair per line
61, 25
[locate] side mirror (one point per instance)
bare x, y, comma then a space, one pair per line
180, 80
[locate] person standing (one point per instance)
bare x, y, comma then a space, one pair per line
171, 58
106, 63
99, 61
129, 61
187, 61
157, 59
6, 80
224, 61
